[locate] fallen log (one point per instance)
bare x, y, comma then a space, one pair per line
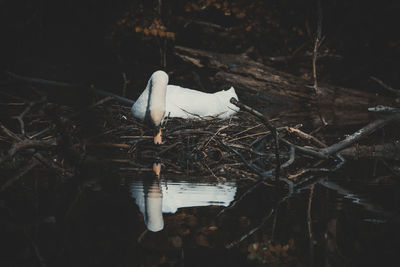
390, 151
284, 95
326, 152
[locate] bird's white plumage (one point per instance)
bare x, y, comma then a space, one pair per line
161, 100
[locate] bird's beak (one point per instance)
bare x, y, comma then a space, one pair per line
157, 136
157, 169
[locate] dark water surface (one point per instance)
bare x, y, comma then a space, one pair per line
137, 219
334, 221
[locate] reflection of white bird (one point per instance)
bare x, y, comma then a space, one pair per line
148, 196
155, 197
160, 100
153, 213
178, 195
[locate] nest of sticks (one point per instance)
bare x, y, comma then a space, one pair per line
235, 148
36, 134
40, 135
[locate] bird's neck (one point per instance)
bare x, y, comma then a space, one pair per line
157, 101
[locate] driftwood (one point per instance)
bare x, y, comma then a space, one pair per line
284, 95
326, 152
389, 151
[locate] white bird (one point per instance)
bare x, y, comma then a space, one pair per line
160, 100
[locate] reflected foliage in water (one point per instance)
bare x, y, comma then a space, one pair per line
103, 218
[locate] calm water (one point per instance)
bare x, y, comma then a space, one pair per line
331, 221
134, 218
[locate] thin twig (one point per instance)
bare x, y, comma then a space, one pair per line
305, 136
384, 85
252, 231
309, 225
317, 44
316, 47
125, 85
102, 101
32, 164
9, 132
70, 85
20, 117
26, 143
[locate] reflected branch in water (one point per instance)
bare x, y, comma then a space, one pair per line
252, 231
355, 197
264, 176
234, 203
309, 225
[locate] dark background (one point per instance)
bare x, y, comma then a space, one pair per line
85, 41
